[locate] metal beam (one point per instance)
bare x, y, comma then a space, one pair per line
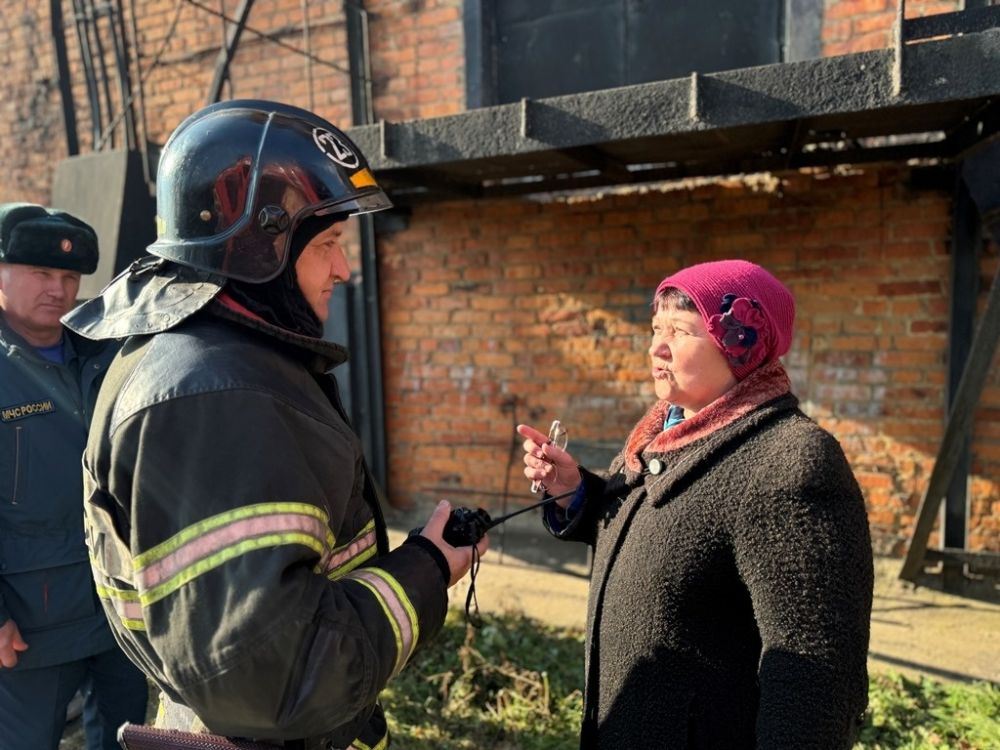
113, 12
418, 185
87, 60
225, 56
969, 21
479, 25
93, 24
803, 24
592, 157
975, 128
430, 180
958, 69
359, 63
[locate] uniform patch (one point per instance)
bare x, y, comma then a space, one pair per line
13, 413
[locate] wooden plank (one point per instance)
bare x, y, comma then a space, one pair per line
984, 347
980, 561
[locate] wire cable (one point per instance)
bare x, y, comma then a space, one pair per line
270, 38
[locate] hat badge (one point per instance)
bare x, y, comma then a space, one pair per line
66, 245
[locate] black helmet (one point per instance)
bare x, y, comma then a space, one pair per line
236, 179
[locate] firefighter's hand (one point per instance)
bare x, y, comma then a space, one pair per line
459, 558
11, 643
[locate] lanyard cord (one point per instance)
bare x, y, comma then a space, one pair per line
471, 600
473, 618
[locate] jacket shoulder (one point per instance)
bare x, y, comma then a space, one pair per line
199, 358
795, 452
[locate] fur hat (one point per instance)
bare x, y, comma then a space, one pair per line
36, 236
748, 312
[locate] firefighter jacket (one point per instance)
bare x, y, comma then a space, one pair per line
238, 545
45, 582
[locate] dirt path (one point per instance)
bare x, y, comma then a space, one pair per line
920, 631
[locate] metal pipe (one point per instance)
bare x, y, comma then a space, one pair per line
96, 118
226, 53
143, 141
62, 68
121, 63
308, 50
93, 26
362, 112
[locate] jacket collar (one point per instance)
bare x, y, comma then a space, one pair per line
320, 355
153, 296
11, 341
760, 387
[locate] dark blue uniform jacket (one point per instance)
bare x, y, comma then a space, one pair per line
46, 585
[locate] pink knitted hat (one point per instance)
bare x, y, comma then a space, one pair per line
748, 311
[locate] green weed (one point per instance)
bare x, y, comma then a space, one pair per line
516, 685
906, 714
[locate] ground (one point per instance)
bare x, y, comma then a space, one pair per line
914, 630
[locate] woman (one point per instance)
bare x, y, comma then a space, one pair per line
732, 580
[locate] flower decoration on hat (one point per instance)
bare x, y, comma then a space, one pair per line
738, 327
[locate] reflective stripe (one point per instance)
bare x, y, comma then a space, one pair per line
397, 607
208, 544
363, 178
345, 559
382, 744
126, 605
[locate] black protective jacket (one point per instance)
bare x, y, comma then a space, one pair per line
732, 583
236, 538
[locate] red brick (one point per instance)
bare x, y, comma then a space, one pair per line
850, 8
463, 286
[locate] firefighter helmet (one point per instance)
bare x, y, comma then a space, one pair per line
236, 178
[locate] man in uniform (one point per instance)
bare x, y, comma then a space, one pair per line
234, 528
54, 638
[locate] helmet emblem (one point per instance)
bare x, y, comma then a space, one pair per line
66, 245
335, 149
273, 219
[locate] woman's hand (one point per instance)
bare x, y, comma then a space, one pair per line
556, 469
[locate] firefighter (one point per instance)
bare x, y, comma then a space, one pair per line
236, 537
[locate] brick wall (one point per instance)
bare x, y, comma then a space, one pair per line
31, 132
542, 305
418, 58
861, 25
546, 304
417, 51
